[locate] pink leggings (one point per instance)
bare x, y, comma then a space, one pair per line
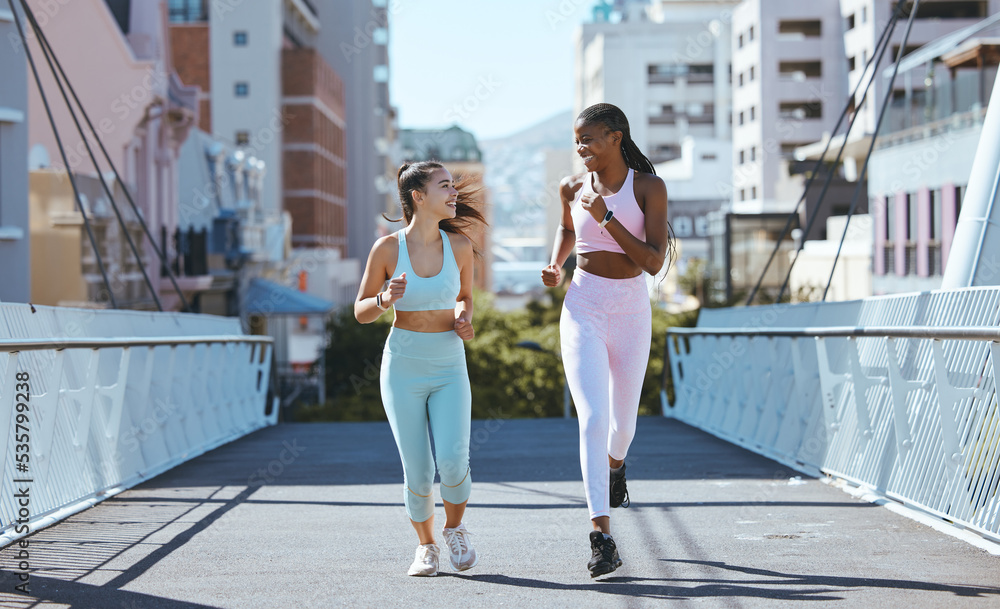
605, 331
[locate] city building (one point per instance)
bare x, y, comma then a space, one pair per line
916, 99
275, 98
864, 21
143, 115
14, 234
920, 168
666, 64
789, 86
267, 90
458, 151
354, 41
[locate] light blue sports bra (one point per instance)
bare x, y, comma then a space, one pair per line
428, 293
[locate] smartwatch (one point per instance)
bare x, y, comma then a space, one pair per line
607, 218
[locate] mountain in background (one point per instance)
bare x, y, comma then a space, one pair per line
515, 175
554, 132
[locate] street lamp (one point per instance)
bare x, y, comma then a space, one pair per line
533, 346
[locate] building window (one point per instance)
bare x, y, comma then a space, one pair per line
381, 73
701, 73
800, 28
753, 154
741, 79
753, 192
665, 152
788, 148
941, 9
850, 23
187, 11
242, 138
851, 64
800, 70
668, 73
864, 14
750, 36
753, 113
739, 41
912, 231
240, 38
742, 157
752, 72
241, 89
741, 118
743, 194
708, 156
801, 110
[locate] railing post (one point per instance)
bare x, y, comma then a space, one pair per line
900, 388
948, 397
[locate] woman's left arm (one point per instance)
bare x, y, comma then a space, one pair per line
465, 257
651, 253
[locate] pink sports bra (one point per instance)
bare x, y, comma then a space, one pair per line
590, 237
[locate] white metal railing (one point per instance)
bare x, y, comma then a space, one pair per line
903, 404
85, 416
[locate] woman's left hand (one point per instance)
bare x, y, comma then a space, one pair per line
464, 329
593, 202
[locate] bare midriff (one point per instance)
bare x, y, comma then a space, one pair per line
441, 320
608, 264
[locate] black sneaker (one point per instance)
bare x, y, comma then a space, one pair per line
605, 557
619, 492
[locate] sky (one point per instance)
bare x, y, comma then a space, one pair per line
494, 67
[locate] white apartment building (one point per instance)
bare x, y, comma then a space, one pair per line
789, 86
666, 66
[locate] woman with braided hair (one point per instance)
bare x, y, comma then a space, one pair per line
616, 215
428, 265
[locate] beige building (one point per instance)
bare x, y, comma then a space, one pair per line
64, 269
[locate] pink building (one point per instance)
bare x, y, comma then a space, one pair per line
118, 60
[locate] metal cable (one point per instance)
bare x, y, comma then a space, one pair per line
48, 53
871, 145
43, 40
877, 55
815, 171
62, 153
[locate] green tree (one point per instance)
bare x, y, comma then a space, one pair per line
508, 381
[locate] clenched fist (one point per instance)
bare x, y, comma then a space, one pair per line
464, 329
551, 275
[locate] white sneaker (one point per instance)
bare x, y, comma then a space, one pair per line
425, 563
463, 555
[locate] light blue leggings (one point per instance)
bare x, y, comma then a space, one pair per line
424, 379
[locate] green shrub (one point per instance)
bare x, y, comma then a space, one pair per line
508, 381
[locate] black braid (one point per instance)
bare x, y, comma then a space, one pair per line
614, 119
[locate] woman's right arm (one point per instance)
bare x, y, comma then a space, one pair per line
565, 237
366, 309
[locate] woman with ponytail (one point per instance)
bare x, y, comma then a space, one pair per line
616, 215
428, 265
